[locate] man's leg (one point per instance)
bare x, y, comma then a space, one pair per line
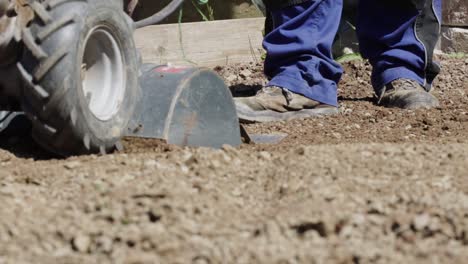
398, 37
299, 63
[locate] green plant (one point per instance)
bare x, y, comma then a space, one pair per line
181, 14
457, 55
208, 15
349, 57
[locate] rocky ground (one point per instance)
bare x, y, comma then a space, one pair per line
369, 185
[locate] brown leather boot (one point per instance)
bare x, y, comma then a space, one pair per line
274, 104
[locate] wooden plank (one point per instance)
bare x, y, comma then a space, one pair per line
203, 43
455, 13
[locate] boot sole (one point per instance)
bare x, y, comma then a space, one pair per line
412, 101
246, 115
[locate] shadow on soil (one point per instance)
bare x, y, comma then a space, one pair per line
242, 90
360, 99
17, 140
25, 147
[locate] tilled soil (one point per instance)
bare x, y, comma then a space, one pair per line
360, 120
369, 185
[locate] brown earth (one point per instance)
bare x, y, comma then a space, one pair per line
369, 185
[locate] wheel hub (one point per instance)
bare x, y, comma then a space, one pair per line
103, 73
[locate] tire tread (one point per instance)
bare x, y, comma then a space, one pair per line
54, 131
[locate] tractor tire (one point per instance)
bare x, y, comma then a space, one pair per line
80, 72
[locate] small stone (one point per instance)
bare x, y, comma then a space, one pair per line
245, 73
336, 135
150, 163
264, 155
201, 260
300, 151
216, 164
237, 192
6, 158
72, 165
226, 158
81, 243
231, 78
358, 219
184, 169
421, 221
227, 148
348, 50
189, 159
105, 244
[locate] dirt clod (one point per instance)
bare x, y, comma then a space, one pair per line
81, 243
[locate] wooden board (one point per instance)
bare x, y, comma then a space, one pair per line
202, 43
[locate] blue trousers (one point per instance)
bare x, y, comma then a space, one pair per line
397, 36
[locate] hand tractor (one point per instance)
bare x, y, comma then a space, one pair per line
72, 68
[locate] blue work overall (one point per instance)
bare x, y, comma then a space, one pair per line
397, 36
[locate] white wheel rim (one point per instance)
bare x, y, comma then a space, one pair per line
103, 73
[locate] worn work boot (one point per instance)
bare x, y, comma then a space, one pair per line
407, 94
274, 104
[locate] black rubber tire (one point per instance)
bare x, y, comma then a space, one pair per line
51, 67
268, 23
